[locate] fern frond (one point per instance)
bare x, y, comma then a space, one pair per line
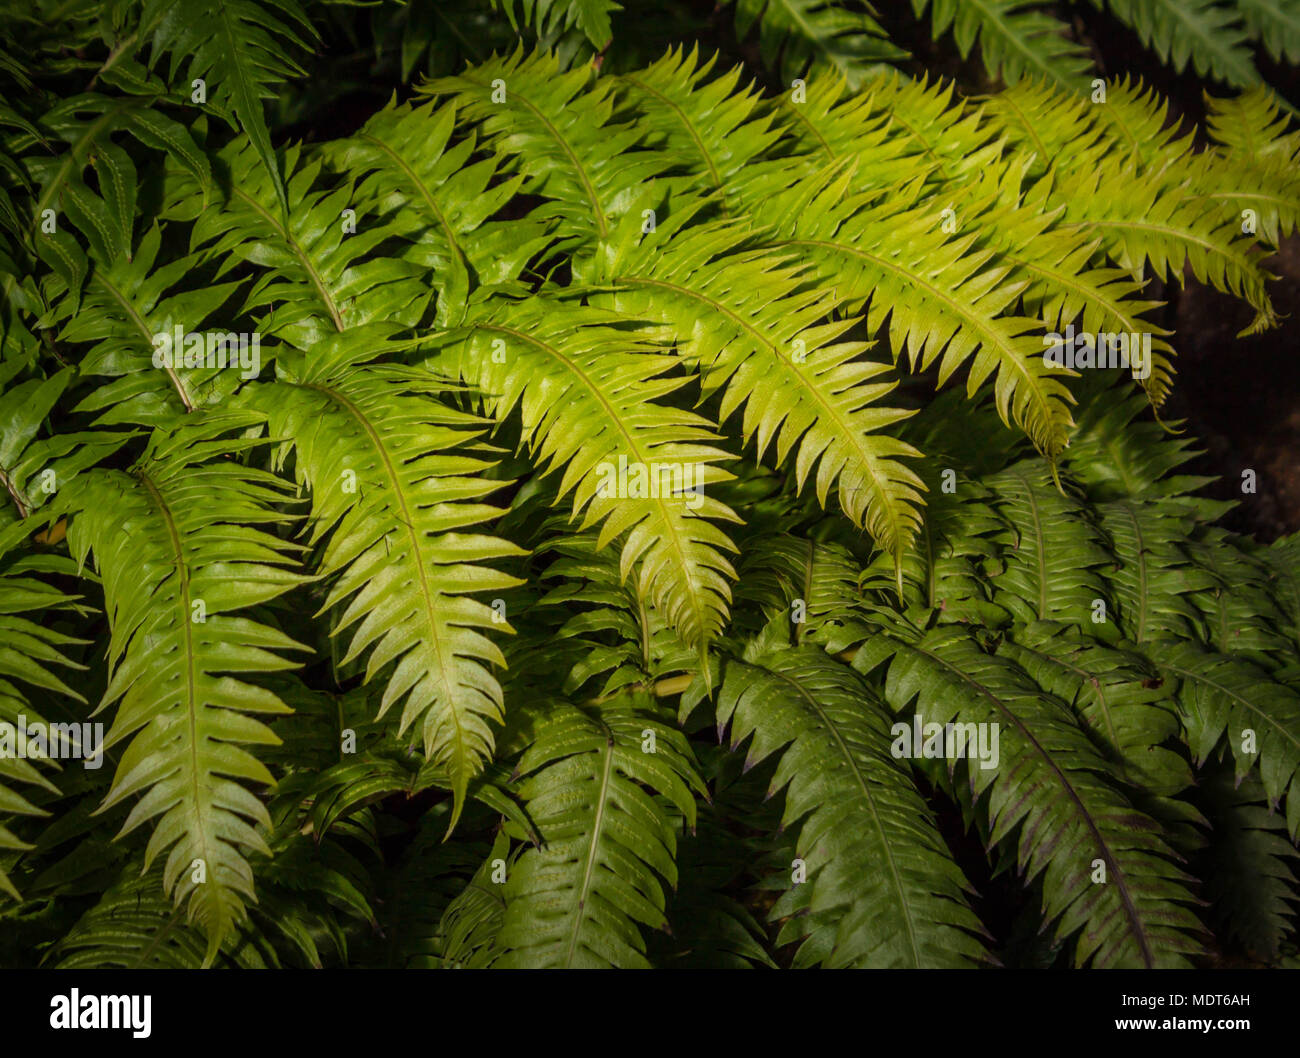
549, 17
1259, 149
1239, 614
87, 123
1275, 24
133, 926
28, 655
712, 129
753, 327
1251, 880
442, 200
127, 303
1115, 456
947, 300
876, 864
587, 395
1153, 576
1055, 797
896, 128
1017, 39
1203, 32
1053, 549
1223, 697
1123, 174
1064, 288
466, 932
644, 647
794, 35
1141, 222
609, 812
1118, 694
946, 570
559, 130
394, 481
243, 48
176, 573
318, 277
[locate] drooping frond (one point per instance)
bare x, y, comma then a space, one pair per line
1275, 24
395, 483
587, 395
1017, 38
794, 35
874, 859
1056, 797
178, 577
755, 328
1122, 174
608, 810
243, 48
1205, 33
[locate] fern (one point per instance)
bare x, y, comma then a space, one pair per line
244, 49
646, 423
1016, 38
1203, 32
796, 34
864, 819
176, 640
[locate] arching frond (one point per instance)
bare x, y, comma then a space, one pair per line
587, 393
875, 862
319, 279
608, 811
1054, 782
395, 481
710, 127
946, 299
442, 199
754, 327
1017, 38
559, 129
179, 577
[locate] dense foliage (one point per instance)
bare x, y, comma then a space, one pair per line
507, 528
